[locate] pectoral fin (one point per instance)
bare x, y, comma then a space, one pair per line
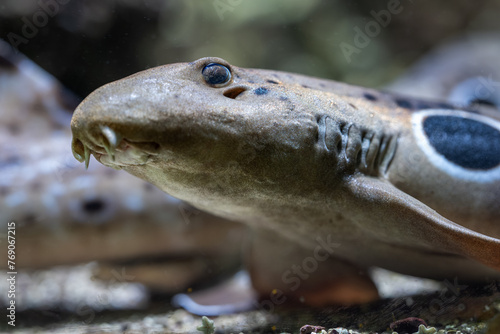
398, 218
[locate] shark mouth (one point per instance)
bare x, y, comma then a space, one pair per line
112, 150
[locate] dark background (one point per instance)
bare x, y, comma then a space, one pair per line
89, 43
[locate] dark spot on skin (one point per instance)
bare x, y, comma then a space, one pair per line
465, 142
402, 103
322, 85
93, 206
251, 81
272, 82
352, 105
176, 96
283, 98
261, 91
305, 86
370, 97
148, 187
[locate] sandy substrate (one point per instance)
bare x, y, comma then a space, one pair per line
68, 300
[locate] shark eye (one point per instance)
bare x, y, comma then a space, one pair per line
216, 75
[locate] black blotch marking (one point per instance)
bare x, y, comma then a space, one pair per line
370, 97
251, 81
261, 91
352, 105
403, 103
273, 82
306, 86
283, 98
465, 142
322, 85
93, 206
176, 96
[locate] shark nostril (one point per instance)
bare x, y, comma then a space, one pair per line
234, 92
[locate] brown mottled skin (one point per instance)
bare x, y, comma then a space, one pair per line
304, 162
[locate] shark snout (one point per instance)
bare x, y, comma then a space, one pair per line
111, 148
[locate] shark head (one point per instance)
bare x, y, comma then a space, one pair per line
204, 131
